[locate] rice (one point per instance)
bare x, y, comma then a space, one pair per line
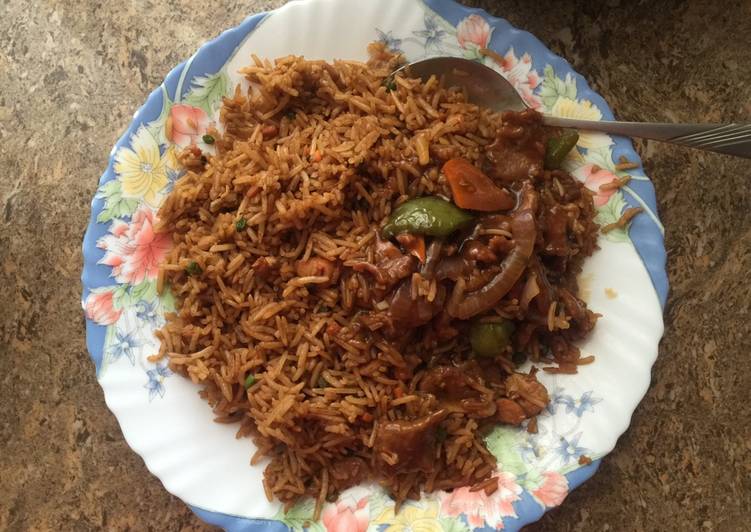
624, 219
281, 321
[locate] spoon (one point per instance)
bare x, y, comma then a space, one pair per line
488, 88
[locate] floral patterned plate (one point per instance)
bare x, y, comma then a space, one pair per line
165, 421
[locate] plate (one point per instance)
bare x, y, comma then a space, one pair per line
162, 417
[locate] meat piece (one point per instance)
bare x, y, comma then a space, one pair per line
264, 267
509, 412
583, 320
390, 271
452, 268
458, 391
477, 251
385, 250
410, 313
397, 269
519, 151
408, 445
391, 265
528, 392
447, 382
348, 472
317, 267
511, 164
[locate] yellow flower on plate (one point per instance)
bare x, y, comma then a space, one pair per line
170, 158
411, 518
582, 110
142, 171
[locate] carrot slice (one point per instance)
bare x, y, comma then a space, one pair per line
472, 189
415, 244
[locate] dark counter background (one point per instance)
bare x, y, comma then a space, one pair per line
73, 73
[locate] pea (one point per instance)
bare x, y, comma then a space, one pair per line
558, 148
428, 215
489, 339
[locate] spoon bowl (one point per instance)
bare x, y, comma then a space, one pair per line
484, 86
487, 88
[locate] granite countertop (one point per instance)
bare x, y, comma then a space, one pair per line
72, 76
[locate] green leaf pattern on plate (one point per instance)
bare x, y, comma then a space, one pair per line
449, 524
610, 213
554, 88
115, 205
207, 92
300, 517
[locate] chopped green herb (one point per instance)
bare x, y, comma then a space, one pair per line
193, 269
440, 434
241, 224
290, 115
390, 84
249, 380
208, 139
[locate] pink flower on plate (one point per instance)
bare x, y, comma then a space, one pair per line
100, 307
594, 177
519, 72
186, 124
480, 508
342, 517
473, 32
133, 249
553, 489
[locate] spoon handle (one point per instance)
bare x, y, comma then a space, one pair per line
732, 139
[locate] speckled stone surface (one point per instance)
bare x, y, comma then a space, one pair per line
71, 76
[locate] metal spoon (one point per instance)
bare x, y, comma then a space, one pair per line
488, 88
